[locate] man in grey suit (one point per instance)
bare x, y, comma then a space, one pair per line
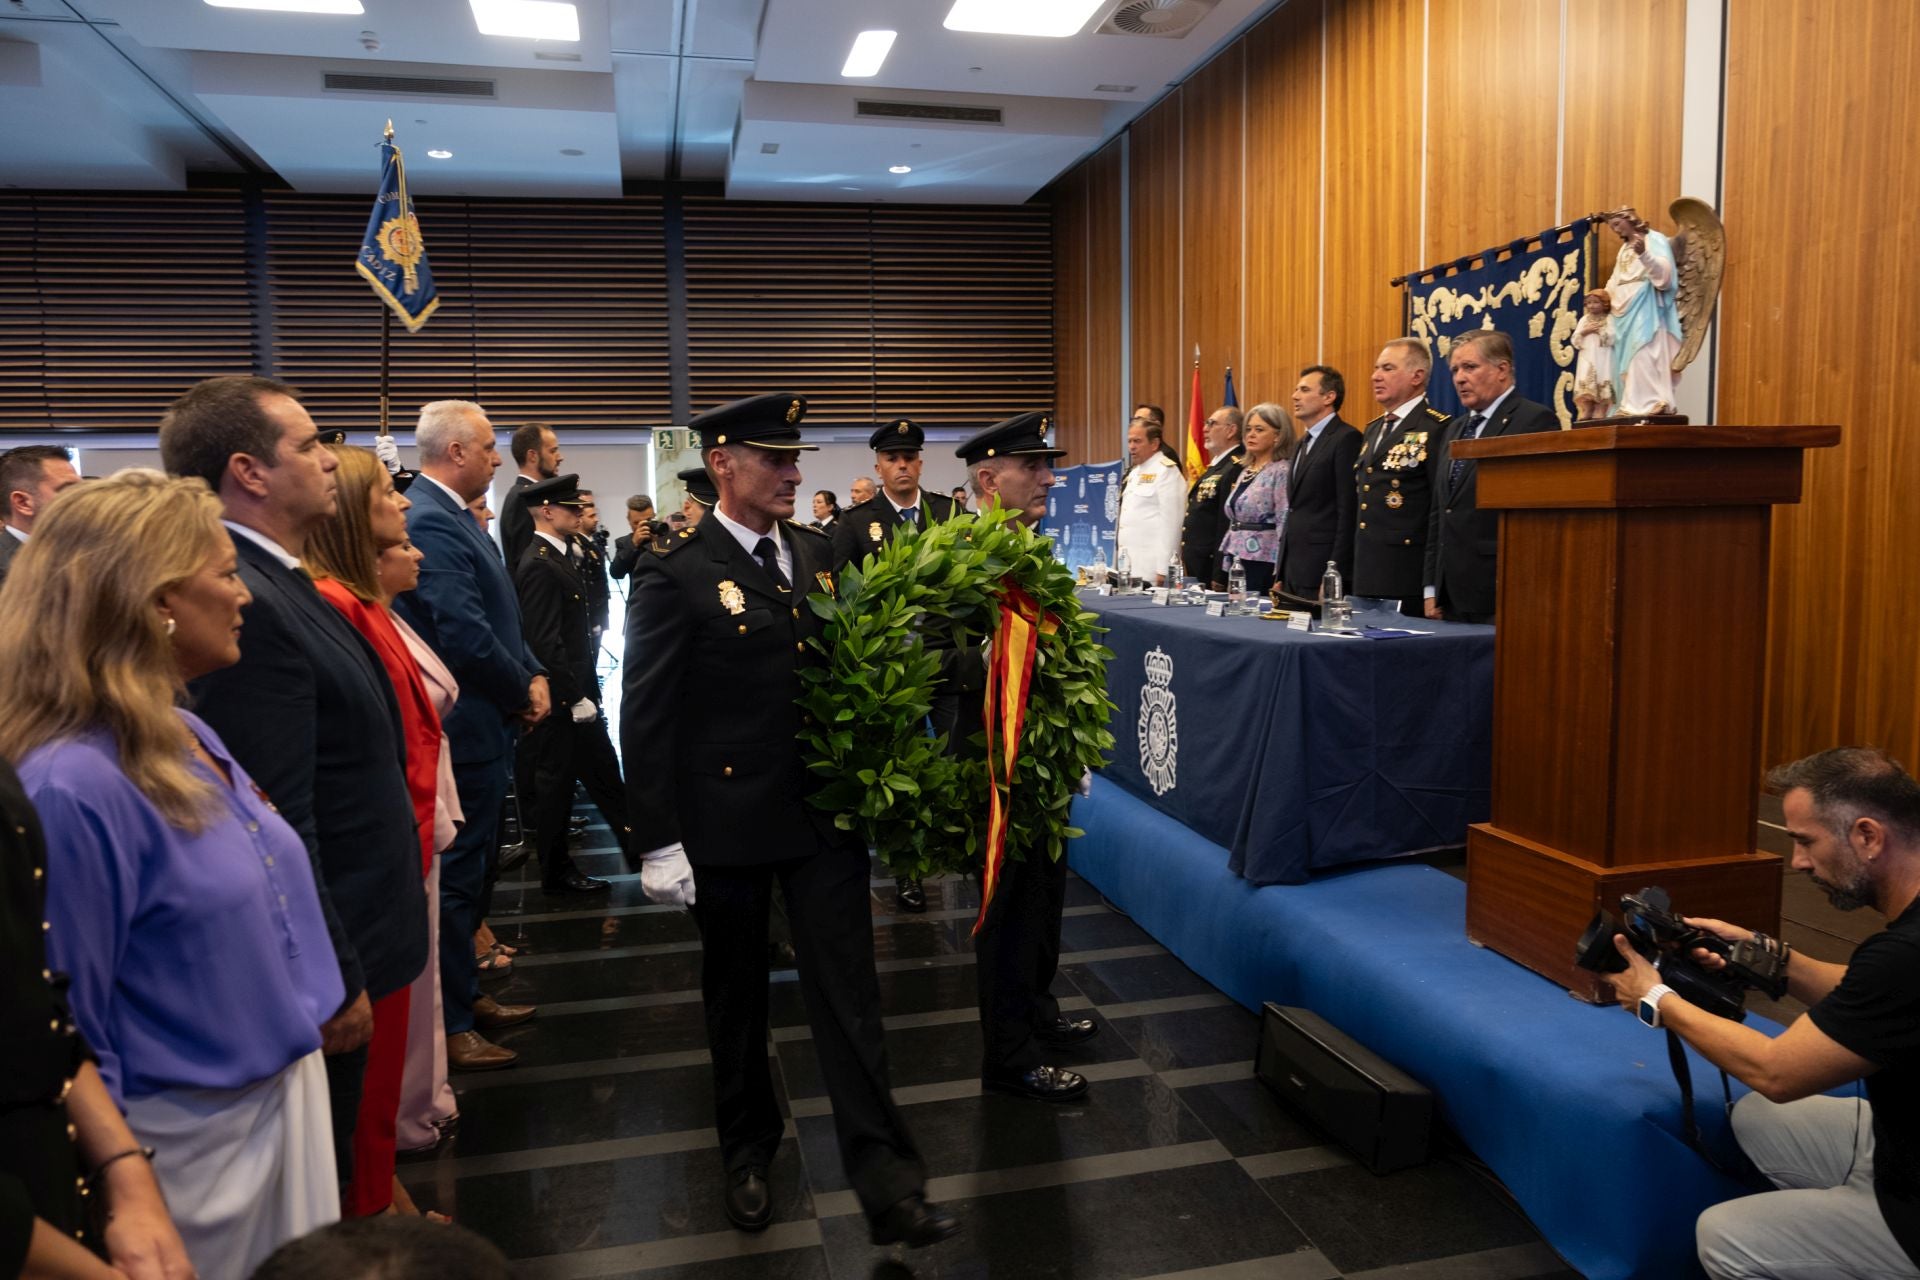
29, 477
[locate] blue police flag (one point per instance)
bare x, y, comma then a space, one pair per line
393, 258
1228, 398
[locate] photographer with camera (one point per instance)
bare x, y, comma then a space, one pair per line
1848, 1171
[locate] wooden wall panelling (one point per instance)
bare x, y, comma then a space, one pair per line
1072, 325
1213, 218
1626, 71
1161, 371
1373, 181
1106, 416
1283, 202
1815, 326
1493, 89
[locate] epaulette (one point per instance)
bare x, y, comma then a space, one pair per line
542, 550
805, 528
1438, 415
668, 545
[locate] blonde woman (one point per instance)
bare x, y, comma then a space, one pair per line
182, 906
1256, 507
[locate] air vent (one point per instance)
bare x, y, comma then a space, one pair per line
1167, 19
556, 57
769, 148
926, 111
408, 86
1115, 88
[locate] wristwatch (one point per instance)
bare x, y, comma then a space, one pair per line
1648, 1011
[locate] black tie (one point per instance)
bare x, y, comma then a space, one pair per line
770, 561
1386, 429
911, 516
1460, 464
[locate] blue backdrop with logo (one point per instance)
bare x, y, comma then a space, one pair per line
1534, 296
1080, 511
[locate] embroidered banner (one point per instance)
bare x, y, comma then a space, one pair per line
1080, 512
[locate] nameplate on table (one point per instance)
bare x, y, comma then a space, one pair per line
1299, 621
1163, 595
1106, 588
1216, 608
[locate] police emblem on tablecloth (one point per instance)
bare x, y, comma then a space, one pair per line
1159, 733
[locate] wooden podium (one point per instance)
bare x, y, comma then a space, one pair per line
1629, 679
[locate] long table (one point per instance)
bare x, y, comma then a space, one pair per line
1299, 751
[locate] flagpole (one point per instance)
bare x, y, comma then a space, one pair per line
386, 337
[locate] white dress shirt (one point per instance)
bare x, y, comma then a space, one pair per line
749, 539
259, 539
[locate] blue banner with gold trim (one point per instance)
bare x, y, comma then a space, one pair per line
393, 257
1081, 509
1531, 290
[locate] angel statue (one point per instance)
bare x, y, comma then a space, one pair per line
1663, 292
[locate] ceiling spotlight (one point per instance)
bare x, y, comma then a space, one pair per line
441, 155
1021, 17
527, 19
869, 50
900, 168
293, 6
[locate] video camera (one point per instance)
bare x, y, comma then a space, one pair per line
1668, 942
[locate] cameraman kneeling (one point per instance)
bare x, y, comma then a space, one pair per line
1849, 1172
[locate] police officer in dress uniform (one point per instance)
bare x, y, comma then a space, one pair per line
701, 495
720, 615
865, 528
570, 744
588, 549
1017, 950
1206, 521
1393, 479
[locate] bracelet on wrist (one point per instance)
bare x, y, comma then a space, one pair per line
145, 1153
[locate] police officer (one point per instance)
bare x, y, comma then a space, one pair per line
1393, 479
863, 529
1206, 521
570, 744
701, 495
1017, 950
588, 549
718, 610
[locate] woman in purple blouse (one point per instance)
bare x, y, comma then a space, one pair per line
1257, 503
182, 906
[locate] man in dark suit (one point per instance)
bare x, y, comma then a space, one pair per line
1463, 542
571, 744
1206, 518
465, 609
628, 546
718, 612
1394, 479
536, 452
308, 710
1320, 499
30, 476
863, 529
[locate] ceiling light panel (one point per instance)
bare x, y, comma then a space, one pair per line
1052, 18
341, 7
527, 19
870, 49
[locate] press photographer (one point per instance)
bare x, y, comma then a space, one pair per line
1848, 1171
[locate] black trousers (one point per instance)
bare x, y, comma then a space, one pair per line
554, 755
345, 1074
828, 905
1017, 952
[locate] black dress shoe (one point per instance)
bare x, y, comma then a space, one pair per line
914, 1223
1065, 1031
781, 955
1047, 1084
571, 881
512, 855
749, 1206
909, 894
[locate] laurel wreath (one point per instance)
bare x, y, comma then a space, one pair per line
920, 807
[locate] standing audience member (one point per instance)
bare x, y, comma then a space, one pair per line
701, 495
181, 904
1206, 519
1153, 502
343, 555
1255, 511
959, 496
861, 490
826, 510
307, 709
639, 536
481, 512
588, 551
29, 477
464, 608
536, 452
1320, 497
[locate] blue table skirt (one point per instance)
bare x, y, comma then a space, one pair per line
1299, 751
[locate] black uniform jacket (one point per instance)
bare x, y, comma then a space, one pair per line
862, 530
553, 613
1394, 479
1206, 519
715, 652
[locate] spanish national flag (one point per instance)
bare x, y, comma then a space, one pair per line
1195, 460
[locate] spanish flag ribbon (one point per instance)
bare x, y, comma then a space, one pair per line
1009, 678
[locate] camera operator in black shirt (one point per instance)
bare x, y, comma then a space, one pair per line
1848, 1170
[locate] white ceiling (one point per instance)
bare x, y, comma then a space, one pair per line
140, 94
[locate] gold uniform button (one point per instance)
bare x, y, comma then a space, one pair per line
39, 873
1366, 488
799, 646
796, 613
1363, 506
1363, 524
743, 628
727, 772
73, 1131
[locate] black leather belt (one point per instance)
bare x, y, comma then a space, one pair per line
1237, 527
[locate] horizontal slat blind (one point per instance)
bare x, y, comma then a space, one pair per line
135, 298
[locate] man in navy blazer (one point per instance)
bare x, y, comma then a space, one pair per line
308, 710
466, 610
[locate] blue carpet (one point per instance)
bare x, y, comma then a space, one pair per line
1572, 1106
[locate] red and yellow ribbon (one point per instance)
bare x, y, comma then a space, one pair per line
1009, 677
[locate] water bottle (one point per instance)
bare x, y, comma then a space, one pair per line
1175, 572
1099, 571
1236, 585
1123, 570
1333, 599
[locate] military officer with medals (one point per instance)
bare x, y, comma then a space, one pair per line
863, 529
571, 744
719, 612
1206, 518
1393, 480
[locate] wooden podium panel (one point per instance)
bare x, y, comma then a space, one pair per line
1629, 672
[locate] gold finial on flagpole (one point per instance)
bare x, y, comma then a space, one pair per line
389, 130
1196, 355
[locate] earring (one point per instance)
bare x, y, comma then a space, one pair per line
170, 626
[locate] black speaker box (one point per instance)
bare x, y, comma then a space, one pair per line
1371, 1107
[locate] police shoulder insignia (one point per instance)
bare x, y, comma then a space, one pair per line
1436, 414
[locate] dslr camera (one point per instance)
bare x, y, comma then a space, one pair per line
1667, 942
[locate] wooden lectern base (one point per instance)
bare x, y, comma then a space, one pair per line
1531, 903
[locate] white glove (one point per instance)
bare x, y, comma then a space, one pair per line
666, 876
388, 452
1084, 787
584, 711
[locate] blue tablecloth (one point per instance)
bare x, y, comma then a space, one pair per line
1298, 751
